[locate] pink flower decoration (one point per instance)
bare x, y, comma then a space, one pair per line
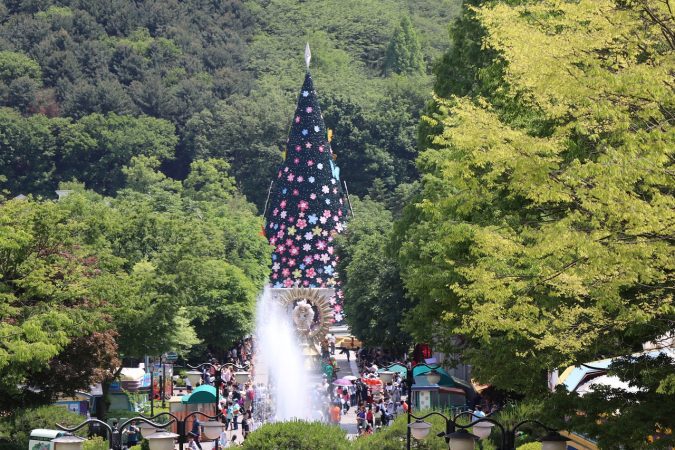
288, 282
326, 213
291, 262
308, 145
321, 245
297, 119
311, 273
290, 177
294, 251
303, 205
296, 160
282, 204
310, 163
296, 192
289, 242
321, 148
312, 196
309, 109
302, 223
285, 272
300, 179
281, 249
298, 148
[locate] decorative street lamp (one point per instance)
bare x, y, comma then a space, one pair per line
386, 376
241, 377
457, 436
154, 432
195, 377
68, 442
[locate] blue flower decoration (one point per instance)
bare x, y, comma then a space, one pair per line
277, 285
305, 93
274, 256
302, 266
305, 132
284, 190
327, 201
328, 270
312, 218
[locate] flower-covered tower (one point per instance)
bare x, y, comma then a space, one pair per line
307, 206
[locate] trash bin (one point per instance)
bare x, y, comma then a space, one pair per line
41, 439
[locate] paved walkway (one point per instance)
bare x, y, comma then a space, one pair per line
348, 421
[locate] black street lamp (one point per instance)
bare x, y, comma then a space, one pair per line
159, 440
240, 376
456, 435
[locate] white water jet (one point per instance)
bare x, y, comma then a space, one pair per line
283, 381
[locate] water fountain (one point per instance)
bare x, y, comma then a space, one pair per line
285, 376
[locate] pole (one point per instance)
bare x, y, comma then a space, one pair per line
163, 382
152, 390
409, 382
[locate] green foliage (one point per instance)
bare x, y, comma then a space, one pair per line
543, 233
296, 436
15, 428
14, 65
45, 302
530, 446
375, 301
404, 53
95, 443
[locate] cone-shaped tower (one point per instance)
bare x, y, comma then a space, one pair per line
307, 206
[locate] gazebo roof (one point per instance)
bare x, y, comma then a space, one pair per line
202, 394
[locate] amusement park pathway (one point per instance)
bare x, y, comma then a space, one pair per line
348, 421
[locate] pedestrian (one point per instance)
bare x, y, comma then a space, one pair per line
345, 351
236, 412
132, 434
192, 442
197, 432
229, 415
331, 342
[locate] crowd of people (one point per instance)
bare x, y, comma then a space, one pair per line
236, 401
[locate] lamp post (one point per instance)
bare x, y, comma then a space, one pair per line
158, 440
433, 377
240, 376
458, 437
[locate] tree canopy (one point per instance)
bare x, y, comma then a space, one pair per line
543, 233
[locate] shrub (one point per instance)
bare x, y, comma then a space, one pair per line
15, 429
530, 446
297, 436
95, 443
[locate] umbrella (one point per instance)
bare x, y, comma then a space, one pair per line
342, 382
350, 378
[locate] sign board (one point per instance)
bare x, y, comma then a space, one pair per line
171, 357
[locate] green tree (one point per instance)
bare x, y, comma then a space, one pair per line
29, 147
543, 232
374, 298
404, 53
45, 302
96, 147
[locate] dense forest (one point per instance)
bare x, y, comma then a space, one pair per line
86, 85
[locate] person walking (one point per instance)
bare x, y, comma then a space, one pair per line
197, 433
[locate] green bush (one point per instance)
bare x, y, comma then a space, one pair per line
393, 437
530, 446
95, 443
15, 429
297, 436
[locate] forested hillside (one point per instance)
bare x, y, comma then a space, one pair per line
87, 85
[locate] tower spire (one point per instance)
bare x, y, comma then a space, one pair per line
308, 55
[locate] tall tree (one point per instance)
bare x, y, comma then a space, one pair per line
404, 53
544, 230
374, 298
